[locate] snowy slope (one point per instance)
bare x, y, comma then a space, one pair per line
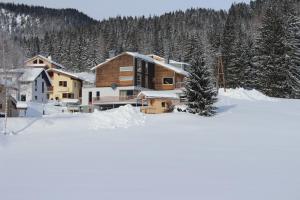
250, 150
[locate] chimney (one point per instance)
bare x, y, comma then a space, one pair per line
112, 53
50, 57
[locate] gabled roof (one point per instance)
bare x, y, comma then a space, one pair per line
148, 59
66, 73
31, 74
47, 59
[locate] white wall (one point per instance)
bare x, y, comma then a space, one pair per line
104, 91
28, 89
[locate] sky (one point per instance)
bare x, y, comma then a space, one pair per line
101, 9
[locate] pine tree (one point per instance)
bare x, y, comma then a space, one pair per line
200, 91
271, 56
293, 54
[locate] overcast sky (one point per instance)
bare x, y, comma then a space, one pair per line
100, 9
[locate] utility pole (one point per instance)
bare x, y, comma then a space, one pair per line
220, 73
5, 87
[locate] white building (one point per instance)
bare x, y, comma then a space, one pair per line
31, 84
34, 85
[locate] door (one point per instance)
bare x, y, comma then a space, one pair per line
90, 97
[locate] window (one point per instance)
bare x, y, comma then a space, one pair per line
35, 85
126, 69
1, 106
23, 97
63, 84
98, 95
168, 81
75, 85
35, 62
139, 66
126, 78
65, 95
163, 104
50, 74
41, 62
139, 79
43, 87
35, 98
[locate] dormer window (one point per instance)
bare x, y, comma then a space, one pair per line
41, 62
35, 61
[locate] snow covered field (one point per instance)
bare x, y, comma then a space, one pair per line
249, 151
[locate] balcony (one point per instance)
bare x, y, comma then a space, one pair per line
114, 100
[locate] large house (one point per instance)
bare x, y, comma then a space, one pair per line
65, 85
121, 78
40, 61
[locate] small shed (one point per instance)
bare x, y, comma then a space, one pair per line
156, 102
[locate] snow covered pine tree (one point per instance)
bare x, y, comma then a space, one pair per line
200, 91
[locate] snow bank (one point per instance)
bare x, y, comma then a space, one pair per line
243, 94
123, 117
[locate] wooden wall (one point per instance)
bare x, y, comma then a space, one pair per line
110, 73
160, 73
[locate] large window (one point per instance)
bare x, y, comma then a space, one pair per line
63, 83
126, 78
168, 81
126, 69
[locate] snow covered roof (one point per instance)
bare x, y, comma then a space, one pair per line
159, 94
48, 60
87, 77
70, 101
148, 59
30, 74
21, 105
66, 73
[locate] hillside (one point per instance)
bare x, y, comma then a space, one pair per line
24, 21
249, 150
79, 42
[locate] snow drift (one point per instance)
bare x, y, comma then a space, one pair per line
243, 94
123, 117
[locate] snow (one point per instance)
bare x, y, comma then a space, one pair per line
88, 77
70, 101
159, 94
21, 105
65, 72
123, 117
250, 95
29, 75
249, 150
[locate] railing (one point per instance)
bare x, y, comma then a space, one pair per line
114, 99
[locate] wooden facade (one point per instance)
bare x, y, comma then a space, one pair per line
110, 72
145, 74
